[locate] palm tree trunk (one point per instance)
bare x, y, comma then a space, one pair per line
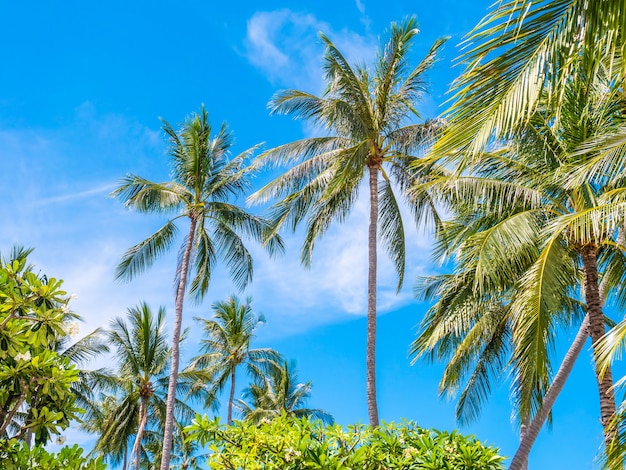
231, 397
597, 331
178, 320
522, 433
520, 460
372, 407
143, 420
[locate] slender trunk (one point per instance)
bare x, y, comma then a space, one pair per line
125, 464
372, 407
231, 397
520, 460
597, 331
143, 421
178, 320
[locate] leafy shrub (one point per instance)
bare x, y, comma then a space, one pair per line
16, 455
289, 443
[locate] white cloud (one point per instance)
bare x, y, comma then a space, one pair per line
285, 46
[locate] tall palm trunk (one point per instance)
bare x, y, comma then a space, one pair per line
372, 407
143, 421
178, 320
231, 398
520, 460
597, 331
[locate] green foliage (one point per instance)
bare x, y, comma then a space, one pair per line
36, 381
18, 456
288, 443
276, 392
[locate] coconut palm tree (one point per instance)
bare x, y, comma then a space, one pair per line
279, 392
142, 352
531, 238
226, 346
134, 400
203, 181
371, 137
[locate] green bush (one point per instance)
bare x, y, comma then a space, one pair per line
16, 455
289, 443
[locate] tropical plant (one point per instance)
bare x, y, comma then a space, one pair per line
37, 382
367, 114
203, 181
99, 417
226, 346
135, 401
287, 443
520, 49
277, 392
17, 455
142, 352
526, 237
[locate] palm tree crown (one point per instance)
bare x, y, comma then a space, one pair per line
529, 235
226, 345
279, 392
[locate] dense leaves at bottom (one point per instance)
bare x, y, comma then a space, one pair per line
289, 443
16, 455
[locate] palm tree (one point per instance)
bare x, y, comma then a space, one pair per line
203, 181
226, 346
366, 114
133, 404
142, 351
532, 236
279, 392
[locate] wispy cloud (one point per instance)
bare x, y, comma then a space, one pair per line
99, 191
285, 46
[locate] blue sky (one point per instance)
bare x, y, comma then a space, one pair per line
81, 90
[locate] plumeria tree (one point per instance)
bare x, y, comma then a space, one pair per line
36, 381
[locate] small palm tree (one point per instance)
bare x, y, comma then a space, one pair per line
226, 346
142, 351
203, 181
279, 392
367, 114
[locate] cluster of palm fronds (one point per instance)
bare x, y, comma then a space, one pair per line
531, 166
